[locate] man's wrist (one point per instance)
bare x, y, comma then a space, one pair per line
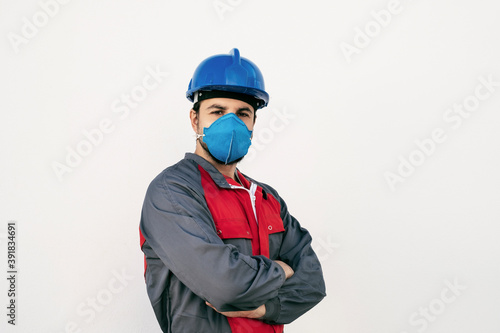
273, 309
259, 312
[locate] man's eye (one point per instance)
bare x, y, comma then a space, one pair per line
217, 112
243, 114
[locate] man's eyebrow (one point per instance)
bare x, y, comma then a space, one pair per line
245, 109
217, 106
221, 107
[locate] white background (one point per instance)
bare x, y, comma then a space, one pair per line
341, 123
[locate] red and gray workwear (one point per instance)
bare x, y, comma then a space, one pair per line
208, 238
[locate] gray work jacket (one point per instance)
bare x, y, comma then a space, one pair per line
188, 261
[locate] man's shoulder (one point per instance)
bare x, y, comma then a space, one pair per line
182, 171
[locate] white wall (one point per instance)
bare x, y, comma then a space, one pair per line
418, 253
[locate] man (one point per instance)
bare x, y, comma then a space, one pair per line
222, 253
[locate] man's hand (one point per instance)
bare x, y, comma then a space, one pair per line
288, 270
254, 314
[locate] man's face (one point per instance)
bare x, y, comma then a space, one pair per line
212, 109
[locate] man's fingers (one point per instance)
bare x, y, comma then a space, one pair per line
210, 305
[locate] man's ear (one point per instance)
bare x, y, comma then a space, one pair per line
194, 120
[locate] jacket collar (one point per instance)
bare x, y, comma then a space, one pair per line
216, 176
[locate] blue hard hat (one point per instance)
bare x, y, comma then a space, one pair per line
228, 73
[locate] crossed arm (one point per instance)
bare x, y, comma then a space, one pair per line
188, 245
261, 310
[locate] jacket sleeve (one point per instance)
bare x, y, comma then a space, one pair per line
306, 287
178, 227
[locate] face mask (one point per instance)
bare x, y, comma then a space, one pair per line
228, 138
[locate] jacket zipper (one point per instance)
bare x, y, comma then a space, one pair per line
251, 192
